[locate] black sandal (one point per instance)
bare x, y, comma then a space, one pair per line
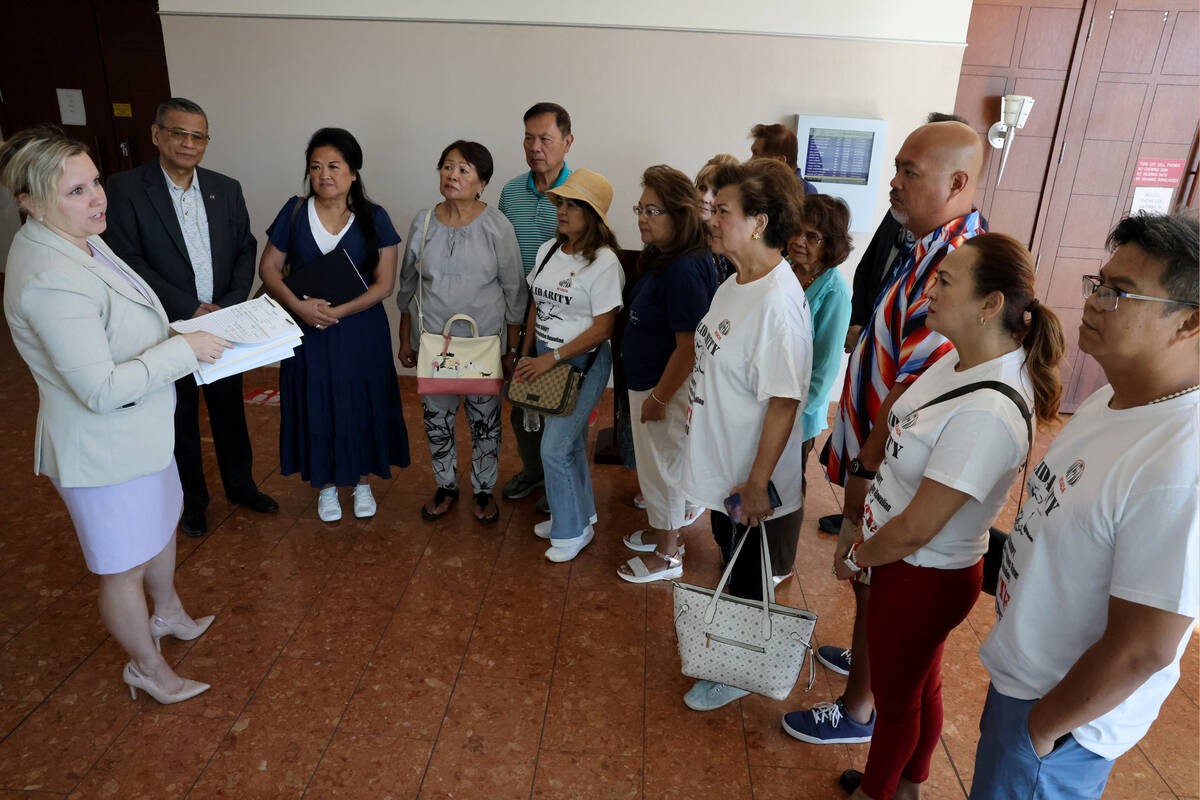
440, 495
481, 502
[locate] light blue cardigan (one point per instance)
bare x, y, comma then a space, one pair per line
829, 303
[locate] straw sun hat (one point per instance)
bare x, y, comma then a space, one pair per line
587, 187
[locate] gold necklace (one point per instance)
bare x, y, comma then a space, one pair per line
1167, 397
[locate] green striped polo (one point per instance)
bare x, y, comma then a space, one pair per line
533, 216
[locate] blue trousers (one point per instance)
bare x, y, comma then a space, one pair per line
1007, 768
564, 452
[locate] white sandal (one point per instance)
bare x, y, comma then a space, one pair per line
634, 542
642, 575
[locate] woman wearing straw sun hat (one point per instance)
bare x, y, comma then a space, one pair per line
576, 287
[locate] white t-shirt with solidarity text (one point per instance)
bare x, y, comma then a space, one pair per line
754, 343
569, 292
1111, 512
975, 443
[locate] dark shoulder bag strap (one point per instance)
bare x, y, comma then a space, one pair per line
1002, 388
529, 289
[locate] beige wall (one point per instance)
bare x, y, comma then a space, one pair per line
943, 21
637, 97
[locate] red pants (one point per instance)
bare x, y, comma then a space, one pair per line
909, 615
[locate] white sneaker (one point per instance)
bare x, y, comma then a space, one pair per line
364, 501
328, 507
542, 529
567, 549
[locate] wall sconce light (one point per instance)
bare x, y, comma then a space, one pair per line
1014, 113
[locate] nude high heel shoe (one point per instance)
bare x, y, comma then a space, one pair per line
159, 628
137, 680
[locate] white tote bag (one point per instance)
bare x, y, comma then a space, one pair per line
449, 364
754, 645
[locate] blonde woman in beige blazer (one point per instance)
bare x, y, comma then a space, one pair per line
96, 339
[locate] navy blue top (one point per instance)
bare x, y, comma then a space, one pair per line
663, 303
305, 249
809, 188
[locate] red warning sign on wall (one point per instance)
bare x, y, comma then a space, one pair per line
1158, 172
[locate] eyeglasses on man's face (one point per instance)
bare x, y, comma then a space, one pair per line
648, 211
1107, 296
183, 135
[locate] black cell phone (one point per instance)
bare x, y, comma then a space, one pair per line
733, 503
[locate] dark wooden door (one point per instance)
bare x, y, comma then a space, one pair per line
1114, 81
1135, 97
1017, 47
110, 50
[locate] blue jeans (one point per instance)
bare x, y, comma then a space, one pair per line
1006, 766
564, 451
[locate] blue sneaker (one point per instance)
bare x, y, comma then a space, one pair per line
834, 658
708, 695
827, 723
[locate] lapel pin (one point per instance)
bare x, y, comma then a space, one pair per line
212, 197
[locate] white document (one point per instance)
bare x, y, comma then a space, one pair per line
258, 320
1152, 199
70, 106
210, 373
260, 330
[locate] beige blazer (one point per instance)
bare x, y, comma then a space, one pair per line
102, 356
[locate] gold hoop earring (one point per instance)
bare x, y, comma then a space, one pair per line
982, 320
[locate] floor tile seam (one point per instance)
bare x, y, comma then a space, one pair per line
254, 693
56, 687
746, 747
562, 613
83, 577
958, 775
1157, 771
342, 716
1178, 686
100, 757
458, 672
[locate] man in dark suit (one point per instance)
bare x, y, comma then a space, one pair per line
185, 230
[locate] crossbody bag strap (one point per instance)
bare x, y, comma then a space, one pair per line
1011, 394
529, 288
421, 267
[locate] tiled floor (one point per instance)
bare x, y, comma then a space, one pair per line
398, 658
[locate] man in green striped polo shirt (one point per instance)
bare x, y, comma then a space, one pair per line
535, 219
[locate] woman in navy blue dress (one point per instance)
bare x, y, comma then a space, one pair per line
339, 401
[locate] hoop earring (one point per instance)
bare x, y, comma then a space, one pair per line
982, 320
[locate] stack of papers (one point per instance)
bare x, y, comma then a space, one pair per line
260, 330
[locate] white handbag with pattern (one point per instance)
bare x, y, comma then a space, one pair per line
754, 645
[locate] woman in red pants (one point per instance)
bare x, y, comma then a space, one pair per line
958, 437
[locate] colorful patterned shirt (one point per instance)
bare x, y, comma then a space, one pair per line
895, 346
533, 216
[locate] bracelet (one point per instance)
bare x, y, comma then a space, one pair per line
655, 399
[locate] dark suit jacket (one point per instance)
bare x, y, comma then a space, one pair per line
144, 231
868, 276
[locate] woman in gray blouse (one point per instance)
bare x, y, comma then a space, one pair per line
471, 265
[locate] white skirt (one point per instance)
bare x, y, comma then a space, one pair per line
126, 524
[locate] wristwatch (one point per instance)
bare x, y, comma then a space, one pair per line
850, 559
859, 471
557, 357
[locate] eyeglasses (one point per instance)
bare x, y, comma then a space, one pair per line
648, 211
1107, 296
812, 237
183, 134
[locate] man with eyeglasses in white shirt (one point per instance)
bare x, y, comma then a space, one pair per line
1097, 594
186, 231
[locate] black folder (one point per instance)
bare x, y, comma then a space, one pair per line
332, 277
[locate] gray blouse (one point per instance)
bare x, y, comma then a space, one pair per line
474, 270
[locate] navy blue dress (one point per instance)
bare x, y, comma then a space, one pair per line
339, 401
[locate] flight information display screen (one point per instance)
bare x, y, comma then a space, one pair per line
839, 156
